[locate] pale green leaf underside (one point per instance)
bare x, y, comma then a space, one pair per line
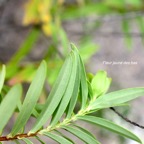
27, 141
74, 96
55, 96
57, 138
117, 98
68, 93
81, 134
31, 98
9, 104
110, 126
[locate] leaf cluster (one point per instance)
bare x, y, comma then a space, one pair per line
71, 86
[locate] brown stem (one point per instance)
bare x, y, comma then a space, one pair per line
18, 136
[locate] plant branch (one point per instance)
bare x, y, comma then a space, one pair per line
18, 136
48, 129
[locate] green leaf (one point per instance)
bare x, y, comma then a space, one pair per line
61, 134
31, 98
55, 95
100, 84
9, 104
84, 130
64, 40
71, 90
87, 50
42, 142
2, 77
110, 126
27, 141
75, 89
117, 98
126, 30
83, 135
140, 22
27, 45
16, 141
83, 85
57, 138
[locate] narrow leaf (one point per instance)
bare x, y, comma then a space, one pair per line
84, 130
76, 88
2, 77
110, 126
81, 134
27, 141
71, 90
55, 95
117, 98
61, 134
57, 138
9, 104
126, 30
31, 98
42, 142
84, 86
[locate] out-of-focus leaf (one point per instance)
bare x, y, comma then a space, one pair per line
87, 49
86, 10
64, 41
140, 22
24, 75
126, 30
13, 65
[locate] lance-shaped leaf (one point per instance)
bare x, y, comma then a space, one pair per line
100, 84
110, 126
116, 98
57, 138
31, 98
9, 104
83, 135
27, 141
71, 90
55, 95
83, 85
2, 77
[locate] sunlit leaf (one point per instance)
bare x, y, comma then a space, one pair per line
100, 84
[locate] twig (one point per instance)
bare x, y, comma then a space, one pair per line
126, 119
